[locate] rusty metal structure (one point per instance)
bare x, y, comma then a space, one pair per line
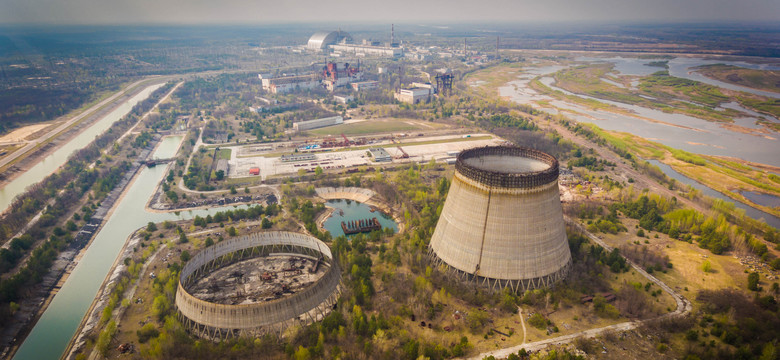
359, 226
444, 83
502, 223
221, 321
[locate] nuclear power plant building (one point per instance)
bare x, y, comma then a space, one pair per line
502, 223
342, 42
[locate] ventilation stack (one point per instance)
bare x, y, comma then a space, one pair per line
502, 223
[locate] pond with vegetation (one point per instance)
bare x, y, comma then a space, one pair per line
349, 210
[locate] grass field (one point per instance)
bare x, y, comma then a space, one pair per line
373, 127
686, 274
758, 79
224, 154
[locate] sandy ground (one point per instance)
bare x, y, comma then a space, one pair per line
20, 134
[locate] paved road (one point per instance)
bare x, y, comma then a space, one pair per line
683, 308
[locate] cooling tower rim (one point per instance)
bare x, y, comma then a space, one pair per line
528, 179
258, 317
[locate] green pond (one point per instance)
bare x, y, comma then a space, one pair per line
348, 210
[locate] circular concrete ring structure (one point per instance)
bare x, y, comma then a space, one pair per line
502, 223
220, 321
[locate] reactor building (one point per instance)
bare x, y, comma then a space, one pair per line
341, 43
257, 284
502, 223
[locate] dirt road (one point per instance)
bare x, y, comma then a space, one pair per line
683, 308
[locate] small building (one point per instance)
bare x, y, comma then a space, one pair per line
364, 85
380, 155
254, 171
318, 123
298, 157
343, 99
413, 95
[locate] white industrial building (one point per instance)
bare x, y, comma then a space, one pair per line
343, 99
380, 155
321, 39
284, 84
341, 42
364, 85
413, 95
367, 50
318, 123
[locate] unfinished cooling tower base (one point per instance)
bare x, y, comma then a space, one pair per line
222, 334
260, 316
493, 285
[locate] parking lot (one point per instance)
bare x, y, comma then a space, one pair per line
344, 159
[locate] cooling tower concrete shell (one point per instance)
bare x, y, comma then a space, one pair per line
220, 321
502, 223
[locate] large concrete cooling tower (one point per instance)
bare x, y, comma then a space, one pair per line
502, 224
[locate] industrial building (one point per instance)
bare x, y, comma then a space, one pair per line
502, 223
318, 123
413, 95
364, 85
367, 50
298, 157
297, 283
380, 155
342, 42
284, 84
343, 99
335, 75
322, 39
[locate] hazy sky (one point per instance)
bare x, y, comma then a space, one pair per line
280, 11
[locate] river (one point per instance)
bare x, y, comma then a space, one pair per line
53, 161
685, 67
706, 190
675, 130
59, 322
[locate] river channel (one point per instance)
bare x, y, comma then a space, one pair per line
706, 190
53, 161
61, 319
675, 130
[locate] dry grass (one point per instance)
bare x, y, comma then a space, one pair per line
373, 126
687, 261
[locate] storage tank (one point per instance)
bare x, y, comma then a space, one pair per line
502, 223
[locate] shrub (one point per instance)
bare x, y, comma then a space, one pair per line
753, 281
706, 266
147, 332
538, 321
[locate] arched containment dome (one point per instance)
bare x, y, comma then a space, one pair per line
322, 39
502, 223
